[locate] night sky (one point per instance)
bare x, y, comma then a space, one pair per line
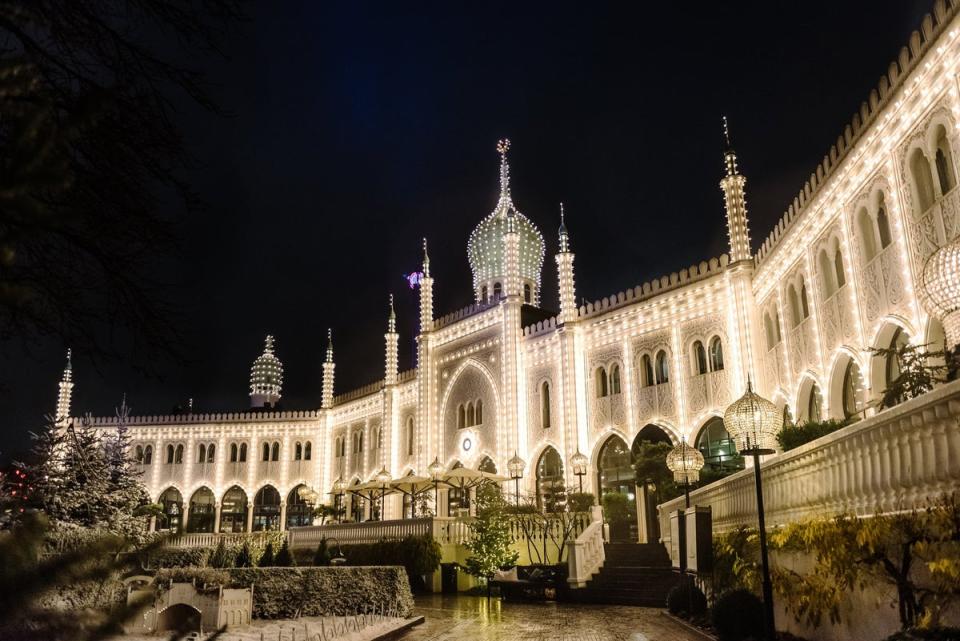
356, 129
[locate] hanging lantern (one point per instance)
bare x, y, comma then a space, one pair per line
435, 469
516, 466
579, 463
685, 462
940, 290
753, 423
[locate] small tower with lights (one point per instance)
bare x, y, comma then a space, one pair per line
326, 395
392, 339
426, 293
266, 377
568, 292
66, 391
735, 201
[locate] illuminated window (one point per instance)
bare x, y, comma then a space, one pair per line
663, 368
944, 162
922, 182
699, 358
545, 405
716, 354
600, 381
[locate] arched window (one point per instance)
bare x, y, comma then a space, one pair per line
297, 451
893, 366
883, 226
484, 293
375, 441
210, 453
266, 452
138, 454
243, 452
768, 331
479, 411
615, 475
796, 315
663, 368
307, 451
233, 511
804, 303
148, 455
526, 292
202, 453
814, 409
922, 182
409, 438
550, 481
360, 439
716, 354
718, 449
615, 379
471, 416
838, 266
699, 358
178, 455
545, 405
276, 451
298, 510
646, 371
776, 325
867, 238
496, 291
202, 511
336, 448
826, 274
851, 390
169, 455
461, 417
172, 502
600, 382
266, 510
944, 162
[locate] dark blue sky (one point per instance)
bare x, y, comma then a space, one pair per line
357, 128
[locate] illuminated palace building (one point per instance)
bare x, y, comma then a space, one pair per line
839, 274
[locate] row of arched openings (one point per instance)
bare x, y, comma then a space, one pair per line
607, 383
654, 371
201, 511
206, 453
705, 362
470, 414
926, 189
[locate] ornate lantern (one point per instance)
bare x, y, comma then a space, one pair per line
685, 462
383, 476
515, 466
940, 290
753, 423
435, 469
579, 463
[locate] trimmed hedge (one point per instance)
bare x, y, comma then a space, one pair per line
792, 436
178, 557
283, 593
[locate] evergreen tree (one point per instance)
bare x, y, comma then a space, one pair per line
285, 557
244, 557
322, 556
266, 559
127, 496
490, 539
221, 557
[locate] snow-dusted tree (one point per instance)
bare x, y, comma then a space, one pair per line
128, 497
490, 541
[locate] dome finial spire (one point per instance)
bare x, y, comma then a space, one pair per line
564, 236
503, 146
729, 155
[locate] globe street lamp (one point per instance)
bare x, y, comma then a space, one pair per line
685, 462
338, 487
515, 467
579, 463
753, 422
383, 478
436, 473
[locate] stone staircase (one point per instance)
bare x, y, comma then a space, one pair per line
632, 574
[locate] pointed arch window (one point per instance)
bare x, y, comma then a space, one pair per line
307, 451
527, 293
826, 274
409, 435
169, 454
545, 405
243, 452
497, 289
663, 368
716, 354
883, 226
868, 242
615, 379
796, 315
202, 454
210, 453
699, 358
471, 415
297, 451
646, 370
461, 417
265, 452
148, 455
922, 182
138, 454
768, 331
943, 159
814, 410
479, 415
276, 451
233, 452
600, 382
838, 267
804, 305
178, 455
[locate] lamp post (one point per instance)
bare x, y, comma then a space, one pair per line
579, 463
685, 462
383, 477
436, 472
515, 467
753, 422
309, 496
338, 486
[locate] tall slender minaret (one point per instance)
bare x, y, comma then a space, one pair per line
568, 291
391, 338
511, 234
426, 294
326, 396
735, 201
66, 391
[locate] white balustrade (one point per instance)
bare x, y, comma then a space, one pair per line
585, 554
357, 533
902, 458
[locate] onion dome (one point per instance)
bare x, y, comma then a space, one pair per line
685, 462
940, 291
266, 377
753, 423
485, 249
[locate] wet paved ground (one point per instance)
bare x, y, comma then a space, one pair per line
455, 618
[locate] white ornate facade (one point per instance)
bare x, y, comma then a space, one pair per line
837, 275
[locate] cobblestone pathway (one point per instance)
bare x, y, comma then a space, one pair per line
453, 618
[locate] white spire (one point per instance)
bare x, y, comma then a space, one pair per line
326, 389
66, 390
504, 204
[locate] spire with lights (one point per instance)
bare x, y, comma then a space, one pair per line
426, 293
735, 201
326, 392
568, 294
392, 341
66, 390
266, 377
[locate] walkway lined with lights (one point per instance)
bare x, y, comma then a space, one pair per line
453, 618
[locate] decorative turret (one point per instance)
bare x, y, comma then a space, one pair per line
391, 338
66, 391
426, 294
326, 394
735, 201
487, 249
266, 377
568, 292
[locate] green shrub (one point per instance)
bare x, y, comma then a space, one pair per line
178, 557
266, 559
686, 600
419, 555
581, 501
222, 557
322, 556
283, 593
738, 615
933, 634
197, 576
244, 558
615, 508
284, 559
792, 436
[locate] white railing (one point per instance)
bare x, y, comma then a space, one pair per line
902, 458
210, 539
586, 554
356, 533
